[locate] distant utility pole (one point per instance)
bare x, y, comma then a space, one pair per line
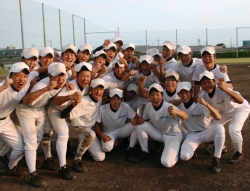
158, 41
198, 41
50, 43
118, 31
206, 38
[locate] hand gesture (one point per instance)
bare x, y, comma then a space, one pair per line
154, 64
133, 122
52, 85
223, 69
76, 97
141, 80
139, 121
106, 43
163, 62
69, 86
122, 60
172, 110
105, 138
132, 72
201, 101
7, 82
222, 84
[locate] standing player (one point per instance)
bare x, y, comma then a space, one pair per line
163, 127
199, 125
29, 56
83, 53
232, 107
168, 49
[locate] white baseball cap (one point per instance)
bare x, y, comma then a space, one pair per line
184, 49
79, 66
69, 47
208, 49
83, 47
158, 87
170, 45
45, 51
97, 82
171, 72
153, 52
183, 86
117, 61
29, 53
56, 68
100, 52
128, 45
18, 67
115, 91
117, 39
149, 59
132, 87
111, 45
208, 74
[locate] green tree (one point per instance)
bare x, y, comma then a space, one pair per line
221, 44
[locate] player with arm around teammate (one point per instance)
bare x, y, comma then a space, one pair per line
83, 117
163, 127
199, 125
231, 106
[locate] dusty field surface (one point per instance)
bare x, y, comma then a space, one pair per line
115, 173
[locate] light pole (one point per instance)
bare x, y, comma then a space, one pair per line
50, 42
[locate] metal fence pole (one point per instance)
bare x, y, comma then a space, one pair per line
146, 40
73, 29
176, 42
44, 34
84, 25
60, 27
237, 43
21, 22
206, 38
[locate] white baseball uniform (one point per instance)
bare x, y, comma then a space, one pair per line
169, 97
200, 130
114, 125
170, 63
163, 127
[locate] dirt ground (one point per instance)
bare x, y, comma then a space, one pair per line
115, 173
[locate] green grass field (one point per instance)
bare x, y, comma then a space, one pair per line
233, 60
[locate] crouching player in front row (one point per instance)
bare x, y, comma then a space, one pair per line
232, 107
83, 117
113, 117
163, 127
199, 125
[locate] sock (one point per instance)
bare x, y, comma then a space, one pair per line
238, 147
30, 157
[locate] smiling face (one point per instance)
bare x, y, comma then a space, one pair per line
128, 54
185, 95
31, 62
110, 54
170, 84
83, 56
207, 84
99, 61
166, 52
69, 56
146, 68
83, 78
20, 79
208, 60
60, 79
155, 97
119, 71
118, 46
46, 60
115, 102
129, 95
185, 58
97, 92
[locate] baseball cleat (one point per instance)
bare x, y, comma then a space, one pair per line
50, 164
66, 173
143, 156
78, 166
37, 180
4, 159
210, 150
130, 153
15, 172
216, 165
238, 157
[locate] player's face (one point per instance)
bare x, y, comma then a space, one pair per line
185, 95
115, 102
83, 78
129, 95
20, 79
128, 54
155, 98
208, 60
31, 62
207, 85
119, 71
156, 58
145, 68
170, 84
100, 61
185, 58
166, 52
60, 79
118, 46
110, 55
69, 56
46, 60
97, 92
83, 56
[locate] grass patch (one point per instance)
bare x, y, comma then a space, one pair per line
4, 71
233, 61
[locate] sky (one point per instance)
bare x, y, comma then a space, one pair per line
139, 21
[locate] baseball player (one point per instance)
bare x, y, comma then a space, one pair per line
83, 53
231, 105
116, 40
16, 86
128, 51
113, 117
208, 59
83, 117
98, 64
29, 56
33, 118
199, 125
130, 96
168, 49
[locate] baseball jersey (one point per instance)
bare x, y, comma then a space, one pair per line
222, 101
170, 63
114, 120
132, 66
85, 113
162, 120
133, 103
216, 71
10, 98
168, 98
198, 117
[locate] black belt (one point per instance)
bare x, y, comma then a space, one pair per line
198, 131
2, 118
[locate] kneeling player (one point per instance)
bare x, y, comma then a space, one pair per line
199, 125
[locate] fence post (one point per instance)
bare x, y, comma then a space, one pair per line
44, 35
60, 27
21, 22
